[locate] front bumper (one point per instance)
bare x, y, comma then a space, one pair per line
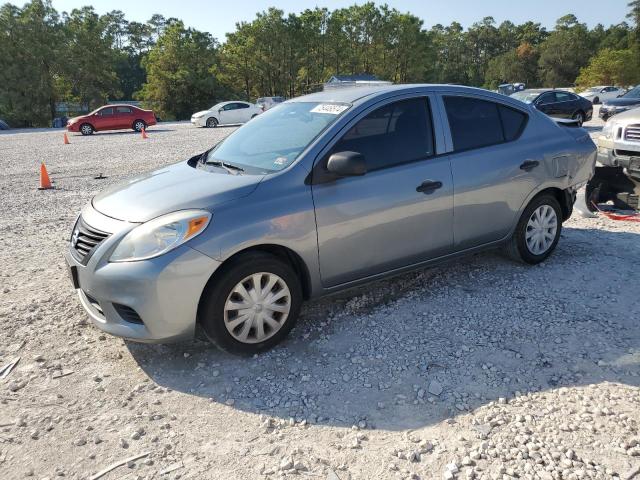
619, 153
198, 121
606, 113
163, 293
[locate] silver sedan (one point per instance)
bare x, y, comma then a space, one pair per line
322, 193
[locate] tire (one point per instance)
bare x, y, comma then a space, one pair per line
217, 320
579, 116
138, 125
596, 100
518, 248
254, 116
212, 122
86, 129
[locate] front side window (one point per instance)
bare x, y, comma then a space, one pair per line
241, 105
123, 110
273, 140
106, 111
547, 98
397, 133
476, 123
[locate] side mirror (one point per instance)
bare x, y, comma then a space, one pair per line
347, 164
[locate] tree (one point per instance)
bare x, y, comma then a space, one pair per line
566, 50
611, 67
517, 65
180, 72
89, 58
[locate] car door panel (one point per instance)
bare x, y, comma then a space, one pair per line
381, 221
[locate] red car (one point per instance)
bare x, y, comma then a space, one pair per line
112, 117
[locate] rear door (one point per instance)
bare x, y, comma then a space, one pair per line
400, 211
493, 170
244, 112
124, 116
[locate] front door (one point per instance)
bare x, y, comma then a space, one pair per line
492, 172
106, 119
400, 212
229, 114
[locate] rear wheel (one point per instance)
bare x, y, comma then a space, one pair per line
212, 122
86, 129
251, 305
578, 117
139, 125
538, 231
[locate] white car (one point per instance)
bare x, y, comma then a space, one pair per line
226, 113
597, 95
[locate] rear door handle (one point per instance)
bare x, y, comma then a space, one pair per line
529, 165
428, 186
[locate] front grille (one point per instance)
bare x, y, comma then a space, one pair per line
632, 133
84, 240
128, 314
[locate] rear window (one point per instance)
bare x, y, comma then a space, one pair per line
476, 123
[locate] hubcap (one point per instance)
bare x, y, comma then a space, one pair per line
86, 129
139, 126
541, 229
257, 307
211, 122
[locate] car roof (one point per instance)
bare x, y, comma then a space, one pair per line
119, 105
360, 94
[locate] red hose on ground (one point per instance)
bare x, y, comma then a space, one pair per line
635, 217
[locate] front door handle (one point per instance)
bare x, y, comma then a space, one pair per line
428, 186
529, 165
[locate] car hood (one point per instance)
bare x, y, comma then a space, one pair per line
176, 187
621, 102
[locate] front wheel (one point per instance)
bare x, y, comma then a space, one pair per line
212, 122
251, 305
537, 232
596, 101
86, 129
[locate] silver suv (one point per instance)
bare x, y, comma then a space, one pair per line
325, 192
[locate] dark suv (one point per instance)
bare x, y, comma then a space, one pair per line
629, 100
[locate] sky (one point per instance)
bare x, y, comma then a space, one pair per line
212, 17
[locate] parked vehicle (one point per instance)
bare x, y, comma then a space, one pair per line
599, 94
269, 102
4, 125
325, 192
510, 88
558, 103
226, 113
619, 143
628, 101
112, 117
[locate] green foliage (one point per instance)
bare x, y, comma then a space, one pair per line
83, 57
180, 70
611, 67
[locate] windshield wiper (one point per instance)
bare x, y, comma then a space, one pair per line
229, 167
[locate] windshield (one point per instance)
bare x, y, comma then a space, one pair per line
633, 93
273, 140
526, 97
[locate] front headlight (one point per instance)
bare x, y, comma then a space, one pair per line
198, 115
160, 235
607, 130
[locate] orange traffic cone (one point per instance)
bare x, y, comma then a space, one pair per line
66, 139
45, 183
144, 134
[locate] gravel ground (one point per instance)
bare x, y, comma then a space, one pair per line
480, 368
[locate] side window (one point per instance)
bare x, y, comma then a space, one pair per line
241, 105
513, 122
123, 110
229, 106
474, 123
106, 111
564, 97
397, 133
547, 98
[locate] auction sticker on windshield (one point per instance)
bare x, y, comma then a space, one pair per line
331, 108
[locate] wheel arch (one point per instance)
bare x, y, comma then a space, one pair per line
283, 253
565, 199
